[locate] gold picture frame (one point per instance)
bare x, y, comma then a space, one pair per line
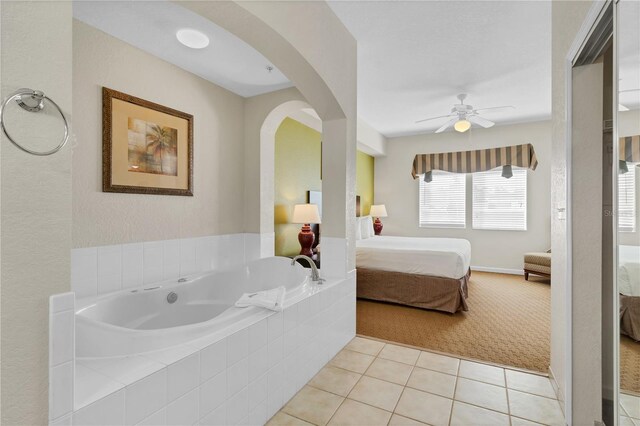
147, 148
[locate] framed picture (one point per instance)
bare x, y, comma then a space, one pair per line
146, 148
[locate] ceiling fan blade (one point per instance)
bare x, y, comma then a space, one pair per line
494, 108
447, 125
476, 119
434, 118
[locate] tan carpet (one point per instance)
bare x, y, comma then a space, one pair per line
508, 323
629, 365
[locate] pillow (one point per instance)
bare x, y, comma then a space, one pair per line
363, 228
370, 227
358, 229
624, 286
633, 270
367, 227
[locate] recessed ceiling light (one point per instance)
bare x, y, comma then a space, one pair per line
192, 38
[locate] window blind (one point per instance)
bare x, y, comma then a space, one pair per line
499, 203
627, 200
442, 201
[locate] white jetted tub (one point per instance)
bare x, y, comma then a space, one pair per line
144, 319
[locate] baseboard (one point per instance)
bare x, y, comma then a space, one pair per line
557, 390
498, 270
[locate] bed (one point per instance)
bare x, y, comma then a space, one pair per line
430, 273
629, 288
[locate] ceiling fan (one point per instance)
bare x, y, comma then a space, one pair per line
463, 115
622, 107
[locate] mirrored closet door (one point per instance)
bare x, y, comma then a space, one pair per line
628, 209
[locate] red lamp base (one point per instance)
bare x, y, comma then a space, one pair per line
306, 239
377, 226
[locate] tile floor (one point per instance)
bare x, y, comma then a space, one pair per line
629, 410
373, 383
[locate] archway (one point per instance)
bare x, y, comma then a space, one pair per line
267, 159
308, 59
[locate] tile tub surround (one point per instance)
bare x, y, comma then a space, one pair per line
106, 269
376, 383
244, 377
61, 347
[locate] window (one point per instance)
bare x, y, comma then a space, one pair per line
627, 200
442, 201
500, 203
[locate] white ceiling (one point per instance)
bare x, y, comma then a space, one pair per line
415, 57
629, 54
151, 26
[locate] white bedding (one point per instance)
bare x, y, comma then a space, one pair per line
629, 270
438, 257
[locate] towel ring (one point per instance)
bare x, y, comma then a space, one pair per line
33, 101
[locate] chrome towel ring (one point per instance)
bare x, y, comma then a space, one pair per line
33, 101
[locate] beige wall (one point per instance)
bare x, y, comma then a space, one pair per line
35, 203
567, 18
629, 125
217, 206
395, 188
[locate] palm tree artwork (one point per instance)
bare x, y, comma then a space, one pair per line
152, 148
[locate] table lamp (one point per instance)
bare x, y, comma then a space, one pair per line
378, 211
306, 214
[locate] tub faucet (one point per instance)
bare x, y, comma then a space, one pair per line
315, 274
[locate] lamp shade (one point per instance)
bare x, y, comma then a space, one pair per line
378, 210
306, 213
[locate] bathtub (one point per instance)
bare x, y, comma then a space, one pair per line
142, 319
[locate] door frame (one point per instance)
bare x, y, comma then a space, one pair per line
593, 17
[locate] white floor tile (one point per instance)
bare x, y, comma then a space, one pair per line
424, 407
399, 354
631, 405
432, 381
482, 372
465, 415
535, 408
530, 383
441, 363
482, 394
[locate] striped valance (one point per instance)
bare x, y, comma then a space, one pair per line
478, 160
630, 149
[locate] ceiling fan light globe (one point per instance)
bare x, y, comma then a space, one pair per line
462, 125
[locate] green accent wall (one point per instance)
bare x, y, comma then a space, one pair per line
365, 165
297, 170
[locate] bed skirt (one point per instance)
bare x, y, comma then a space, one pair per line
630, 316
420, 291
